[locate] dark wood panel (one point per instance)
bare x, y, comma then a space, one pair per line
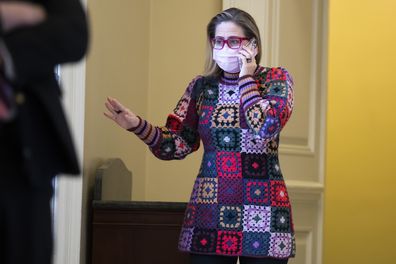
128, 233
138, 216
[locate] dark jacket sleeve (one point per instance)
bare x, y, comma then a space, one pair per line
62, 37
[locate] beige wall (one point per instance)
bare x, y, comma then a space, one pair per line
177, 52
117, 65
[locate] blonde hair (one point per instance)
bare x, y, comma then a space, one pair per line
240, 18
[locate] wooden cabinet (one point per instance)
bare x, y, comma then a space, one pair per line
137, 232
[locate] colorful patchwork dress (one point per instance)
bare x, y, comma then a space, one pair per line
239, 205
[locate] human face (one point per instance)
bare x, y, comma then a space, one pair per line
229, 58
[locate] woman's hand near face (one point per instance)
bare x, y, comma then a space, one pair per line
247, 56
124, 117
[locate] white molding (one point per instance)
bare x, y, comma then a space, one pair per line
275, 32
320, 222
308, 234
68, 212
69, 190
313, 84
229, 3
68, 221
265, 34
305, 186
305, 191
323, 119
323, 90
299, 150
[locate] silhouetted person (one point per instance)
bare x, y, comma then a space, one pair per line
35, 141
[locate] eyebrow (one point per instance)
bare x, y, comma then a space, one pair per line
229, 37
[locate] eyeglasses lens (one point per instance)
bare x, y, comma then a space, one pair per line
218, 43
233, 43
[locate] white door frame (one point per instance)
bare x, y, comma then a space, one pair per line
69, 193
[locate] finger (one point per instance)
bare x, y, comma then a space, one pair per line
110, 108
243, 59
111, 101
109, 116
249, 58
248, 50
116, 104
249, 45
252, 52
246, 53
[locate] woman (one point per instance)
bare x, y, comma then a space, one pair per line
239, 205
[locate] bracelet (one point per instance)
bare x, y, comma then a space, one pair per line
132, 129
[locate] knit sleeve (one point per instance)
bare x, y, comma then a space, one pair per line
179, 137
267, 100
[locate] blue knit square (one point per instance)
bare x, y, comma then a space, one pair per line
256, 244
230, 217
207, 216
227, 139
280, 220
271, 127
195, 191
278, 88
273, 167
208, 165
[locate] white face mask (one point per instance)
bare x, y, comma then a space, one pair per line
227, 60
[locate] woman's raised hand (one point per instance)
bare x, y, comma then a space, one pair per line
124, 117
247, 56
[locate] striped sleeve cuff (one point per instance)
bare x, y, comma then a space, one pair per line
248, 91
148, 133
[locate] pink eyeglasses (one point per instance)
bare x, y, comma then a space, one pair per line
232, 42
